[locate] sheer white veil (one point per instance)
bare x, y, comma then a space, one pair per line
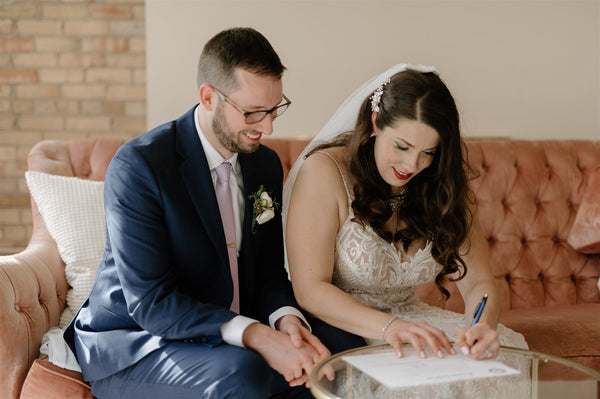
343, 120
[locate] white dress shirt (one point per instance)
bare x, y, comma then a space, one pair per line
233, 330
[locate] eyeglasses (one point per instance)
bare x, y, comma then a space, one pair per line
257, 116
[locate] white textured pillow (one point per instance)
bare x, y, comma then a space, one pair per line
73, 210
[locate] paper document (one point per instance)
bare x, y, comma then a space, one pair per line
411, 370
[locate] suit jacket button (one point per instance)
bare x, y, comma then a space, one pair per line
204, 340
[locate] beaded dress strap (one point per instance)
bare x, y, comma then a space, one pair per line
343, 177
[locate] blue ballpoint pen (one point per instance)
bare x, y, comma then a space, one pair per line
479, 310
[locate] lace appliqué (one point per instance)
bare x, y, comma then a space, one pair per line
373, 271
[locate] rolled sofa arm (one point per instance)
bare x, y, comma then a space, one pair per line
33, 291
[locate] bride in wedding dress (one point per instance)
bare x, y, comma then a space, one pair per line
378, 204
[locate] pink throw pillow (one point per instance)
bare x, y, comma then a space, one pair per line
585, 232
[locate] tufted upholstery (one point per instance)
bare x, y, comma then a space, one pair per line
527, 193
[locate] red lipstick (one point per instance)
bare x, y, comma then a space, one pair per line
401, 176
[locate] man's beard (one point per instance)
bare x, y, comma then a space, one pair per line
227, 138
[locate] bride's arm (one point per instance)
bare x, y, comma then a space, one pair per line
317, 209
479, 281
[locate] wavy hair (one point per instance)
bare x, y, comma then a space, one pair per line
436, 205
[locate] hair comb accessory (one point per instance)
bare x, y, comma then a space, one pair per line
376, 97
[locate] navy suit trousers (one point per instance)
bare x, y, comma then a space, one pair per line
190, 370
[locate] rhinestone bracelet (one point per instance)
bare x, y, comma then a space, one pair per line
389, 323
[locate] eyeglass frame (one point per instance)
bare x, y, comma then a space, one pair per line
246, 114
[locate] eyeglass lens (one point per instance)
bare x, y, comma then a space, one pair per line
257, 116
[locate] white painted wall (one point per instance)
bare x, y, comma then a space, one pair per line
525, 69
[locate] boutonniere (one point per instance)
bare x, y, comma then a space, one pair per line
263, 208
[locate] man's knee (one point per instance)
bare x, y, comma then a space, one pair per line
246, 375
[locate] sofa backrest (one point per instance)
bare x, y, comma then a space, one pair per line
527, 193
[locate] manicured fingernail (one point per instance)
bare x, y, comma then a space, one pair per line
452, 351
399, 354
440, 354
465, 350
422, 355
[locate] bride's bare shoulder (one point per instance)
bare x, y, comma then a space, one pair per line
328, 157
322, 166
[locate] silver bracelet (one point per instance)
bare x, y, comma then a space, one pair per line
389, 323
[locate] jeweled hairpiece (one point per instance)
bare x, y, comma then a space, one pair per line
376, 97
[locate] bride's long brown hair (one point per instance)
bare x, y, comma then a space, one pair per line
436, 205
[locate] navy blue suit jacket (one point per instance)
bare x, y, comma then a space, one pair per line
165, 271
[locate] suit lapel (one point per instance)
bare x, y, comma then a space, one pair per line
247, 261
196, 176
250, 178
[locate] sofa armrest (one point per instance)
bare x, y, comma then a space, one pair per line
32, 296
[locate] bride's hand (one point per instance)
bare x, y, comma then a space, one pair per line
479, 342
417, 334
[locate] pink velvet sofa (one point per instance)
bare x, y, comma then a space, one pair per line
538, 203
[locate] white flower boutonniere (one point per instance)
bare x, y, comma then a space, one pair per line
263, 209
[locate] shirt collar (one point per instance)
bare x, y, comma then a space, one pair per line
213, 157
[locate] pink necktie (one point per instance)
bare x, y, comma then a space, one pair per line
226, 209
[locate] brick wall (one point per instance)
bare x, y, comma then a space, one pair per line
68, 69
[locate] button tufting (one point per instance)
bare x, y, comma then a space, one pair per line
17, 308
523, 240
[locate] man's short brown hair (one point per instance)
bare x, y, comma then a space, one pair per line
243, 48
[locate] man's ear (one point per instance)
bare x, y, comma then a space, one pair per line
207, 97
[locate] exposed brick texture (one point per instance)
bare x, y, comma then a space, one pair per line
68, 69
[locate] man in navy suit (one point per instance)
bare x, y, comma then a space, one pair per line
159, 320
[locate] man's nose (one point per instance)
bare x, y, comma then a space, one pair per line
266, 125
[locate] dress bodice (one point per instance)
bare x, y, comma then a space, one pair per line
374, 271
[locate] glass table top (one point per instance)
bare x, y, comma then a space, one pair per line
349, 375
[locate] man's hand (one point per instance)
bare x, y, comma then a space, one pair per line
293, 361
300, 335
295, 328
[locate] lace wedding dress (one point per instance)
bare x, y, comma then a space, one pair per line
374, 272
